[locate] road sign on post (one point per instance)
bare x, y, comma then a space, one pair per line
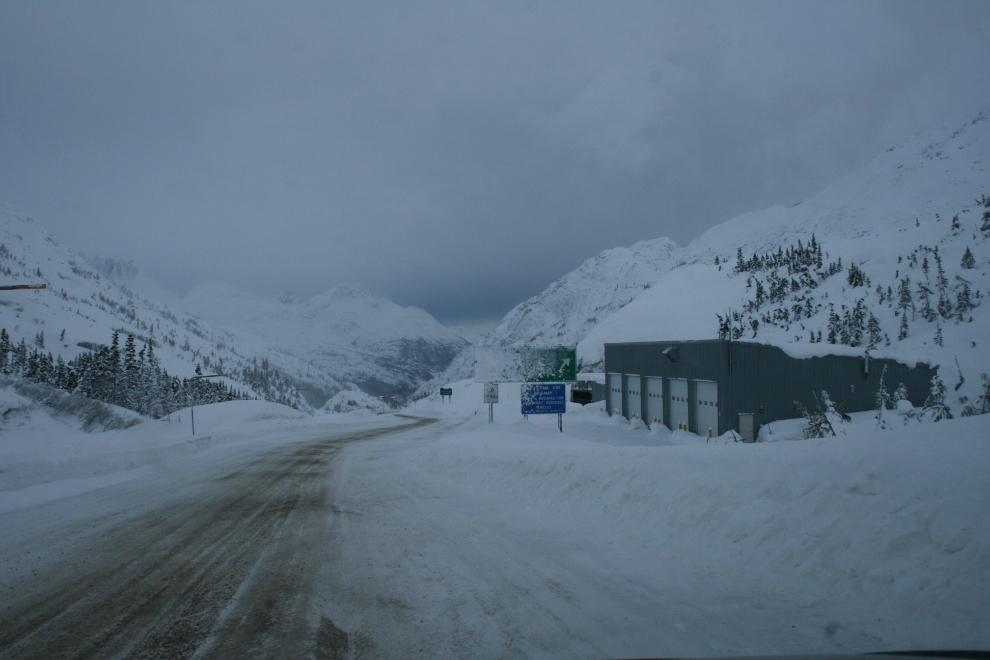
446, 392
525, 364
491, 398
544, 399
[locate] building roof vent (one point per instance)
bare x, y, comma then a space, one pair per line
671, 353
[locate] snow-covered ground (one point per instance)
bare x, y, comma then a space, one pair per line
464, 539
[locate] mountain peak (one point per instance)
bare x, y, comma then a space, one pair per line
351, 290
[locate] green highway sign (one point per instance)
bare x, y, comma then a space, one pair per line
446, 391
525, 364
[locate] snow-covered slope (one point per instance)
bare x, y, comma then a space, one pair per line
88, 299
569, 308
358, 336
900, 218
914, 209
348, 338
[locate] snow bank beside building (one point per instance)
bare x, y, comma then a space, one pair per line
887, 527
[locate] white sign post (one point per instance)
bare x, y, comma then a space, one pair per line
491, 398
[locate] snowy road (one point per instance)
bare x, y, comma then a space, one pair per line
195, 562
380, 537
422, 568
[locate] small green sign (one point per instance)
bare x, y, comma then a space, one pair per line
446, 391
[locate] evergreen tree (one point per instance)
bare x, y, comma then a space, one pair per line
834, 325
943, 281
938, 336
20, 358
129, 376
944, 305
760, 293
925, 294
968, 260
982, 404
114, 370
873, 331
883, 400
902, 332
935, 406
39, 339
963, 301
856, 277
4, 351
857, 324
826, 417
904, 299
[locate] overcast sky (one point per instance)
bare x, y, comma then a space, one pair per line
454, 156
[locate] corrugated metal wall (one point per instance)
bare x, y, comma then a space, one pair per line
763, 380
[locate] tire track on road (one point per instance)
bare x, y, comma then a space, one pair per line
221, 573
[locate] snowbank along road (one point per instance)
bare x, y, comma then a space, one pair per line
215, 563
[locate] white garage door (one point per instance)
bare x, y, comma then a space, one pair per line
654, 401
615, 393
706, 406
678, 404
634, 404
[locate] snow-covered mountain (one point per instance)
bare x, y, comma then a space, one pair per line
907, 221
570, 308
87, 300
359, 336
346, 339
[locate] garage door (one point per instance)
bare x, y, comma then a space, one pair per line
615, 394
678, 404
654, 401
634, 404
706, 406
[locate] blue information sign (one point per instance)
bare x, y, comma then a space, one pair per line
543, 398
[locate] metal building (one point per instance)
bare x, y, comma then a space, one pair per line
722, 385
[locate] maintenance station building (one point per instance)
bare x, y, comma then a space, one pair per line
710, 387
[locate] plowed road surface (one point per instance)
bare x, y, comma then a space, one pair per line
316, 542
201, 565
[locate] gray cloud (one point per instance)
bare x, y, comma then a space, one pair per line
455, 156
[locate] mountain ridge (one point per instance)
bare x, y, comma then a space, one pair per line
91, 297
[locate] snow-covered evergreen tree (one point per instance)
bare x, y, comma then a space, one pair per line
834, 325
874, 334
968, 260
964, 302
982, 404
900, 394
905, 301
883, 400
935, 406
